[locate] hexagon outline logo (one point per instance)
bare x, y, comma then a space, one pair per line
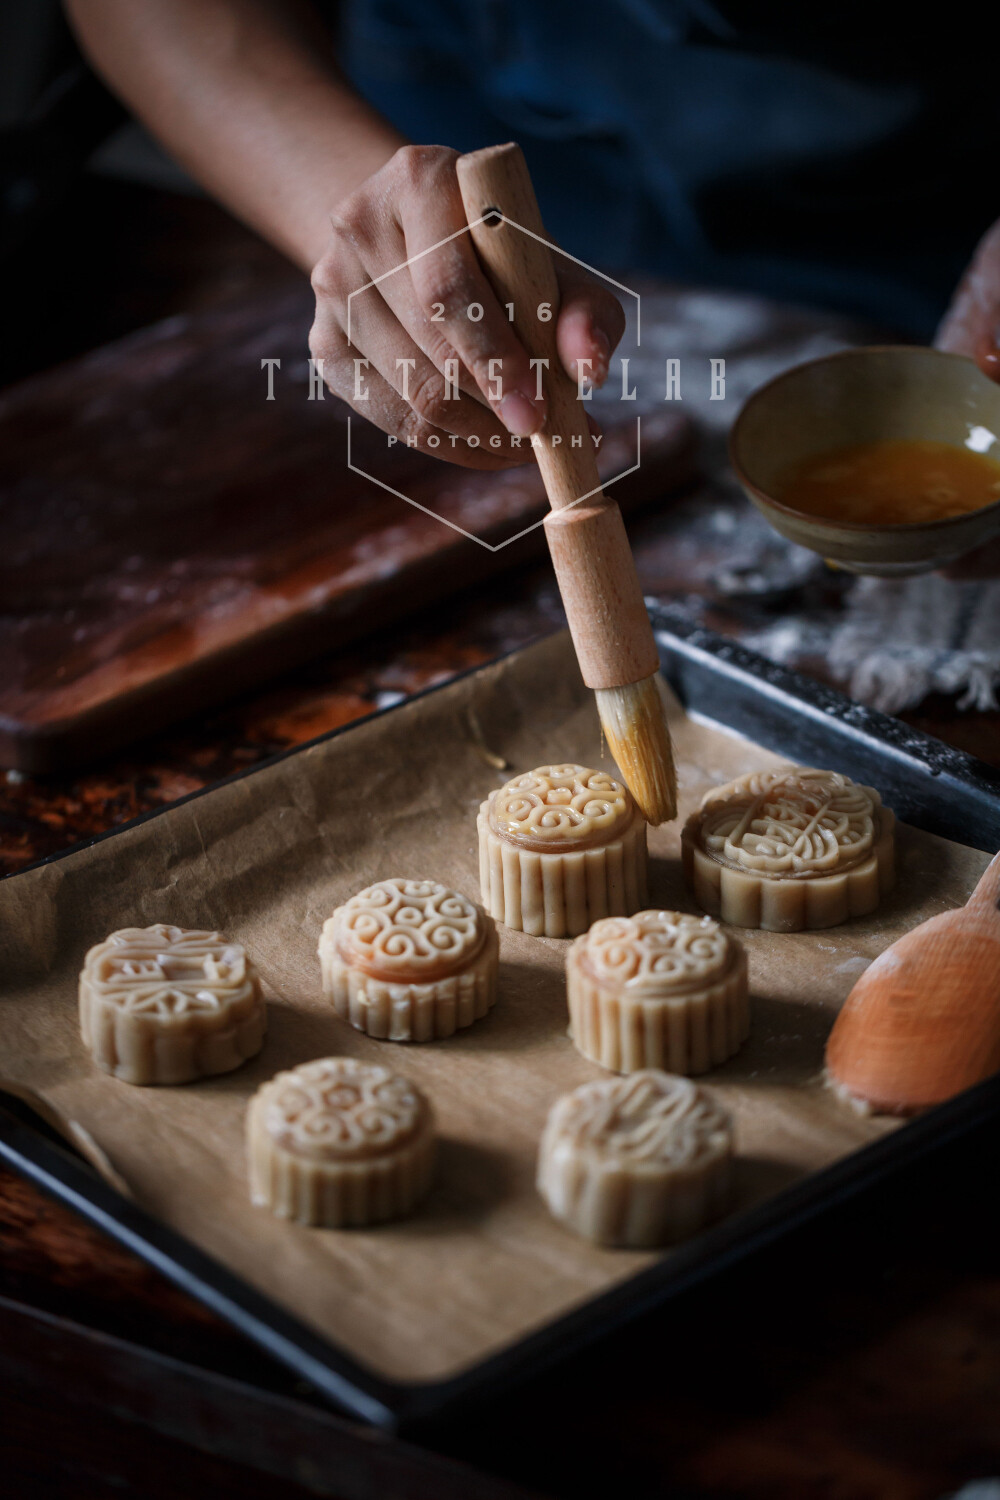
556, 250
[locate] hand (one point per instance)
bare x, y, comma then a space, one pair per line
421, 314
972, 326
972, 323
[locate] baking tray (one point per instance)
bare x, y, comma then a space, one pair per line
933, 787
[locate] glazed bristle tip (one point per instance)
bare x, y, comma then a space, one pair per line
635, 727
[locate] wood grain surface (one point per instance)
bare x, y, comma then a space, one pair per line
172, 537
861, 1361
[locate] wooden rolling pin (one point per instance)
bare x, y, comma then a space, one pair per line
586, 535
923, 1021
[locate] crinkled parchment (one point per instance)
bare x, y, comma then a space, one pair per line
265, 859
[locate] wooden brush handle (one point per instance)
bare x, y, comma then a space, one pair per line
521, 271
590, 551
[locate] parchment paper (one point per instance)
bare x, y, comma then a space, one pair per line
265, 859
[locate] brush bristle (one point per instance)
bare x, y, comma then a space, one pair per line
635, 726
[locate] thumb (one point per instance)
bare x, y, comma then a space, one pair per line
590, 325
971, 325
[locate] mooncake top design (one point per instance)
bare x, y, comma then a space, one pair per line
408, 930
167, 971
790, 823
655, 951
339, 1109
649, 1117
555, 807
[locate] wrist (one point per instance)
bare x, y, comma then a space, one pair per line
365, 145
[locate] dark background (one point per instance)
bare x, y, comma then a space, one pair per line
860, 1361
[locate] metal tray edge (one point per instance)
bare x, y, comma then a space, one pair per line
691, 656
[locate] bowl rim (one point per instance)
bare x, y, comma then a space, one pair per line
890, 528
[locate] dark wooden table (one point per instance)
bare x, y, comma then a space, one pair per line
860, 1361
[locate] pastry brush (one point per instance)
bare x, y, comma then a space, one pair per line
593, 562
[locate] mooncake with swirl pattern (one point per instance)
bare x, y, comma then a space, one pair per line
339, 1142
409, 960
660, 989
559, 847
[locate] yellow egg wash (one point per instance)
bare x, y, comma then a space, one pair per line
891, 483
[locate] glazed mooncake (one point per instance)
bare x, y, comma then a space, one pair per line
788, 850
560, 847
637, 1161
660, 989
409, 960
339, 1142
168, 1005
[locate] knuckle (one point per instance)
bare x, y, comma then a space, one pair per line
412, 425
319, 341
352, 220
320, 350
406, 162
439, 349
413, 163
327, 342
427, 399
327, 279
451, 286
322, 278
326, 336
479, 368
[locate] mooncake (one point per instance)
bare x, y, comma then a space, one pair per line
660, 989
788, 850
409, 960
638, 1161
560, 847
168, 1005
339, 1142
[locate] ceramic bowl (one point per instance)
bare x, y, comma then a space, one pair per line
864, 396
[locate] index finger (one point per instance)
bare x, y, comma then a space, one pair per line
460, 306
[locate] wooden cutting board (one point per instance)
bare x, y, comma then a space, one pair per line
172, 538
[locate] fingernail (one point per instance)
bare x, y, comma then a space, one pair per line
519, 415
602, 356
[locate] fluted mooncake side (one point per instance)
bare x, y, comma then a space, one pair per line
409, 961
168, 1005
338, 1142
560, 847
660, 989
638, 1161
790, 850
